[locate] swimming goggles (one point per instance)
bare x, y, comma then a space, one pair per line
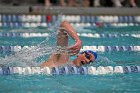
87, 55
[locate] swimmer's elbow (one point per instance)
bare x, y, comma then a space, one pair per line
44, 64
63, 23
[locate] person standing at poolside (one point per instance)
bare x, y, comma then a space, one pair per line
58, 59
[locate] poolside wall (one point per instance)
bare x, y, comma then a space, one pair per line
68, 10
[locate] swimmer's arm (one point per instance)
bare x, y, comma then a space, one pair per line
45, 64
70, 30
55, 60
74, 49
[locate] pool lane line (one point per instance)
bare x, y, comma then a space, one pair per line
90, 35
94, 48
90, 70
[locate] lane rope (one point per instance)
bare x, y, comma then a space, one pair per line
94, 48
96, 35
69, 70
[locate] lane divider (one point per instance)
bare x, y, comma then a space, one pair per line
69, 70
70, 18
96, 35
111, 48
94, 48
45, 24
25, 35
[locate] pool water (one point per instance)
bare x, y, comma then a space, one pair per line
128, 83
110, 83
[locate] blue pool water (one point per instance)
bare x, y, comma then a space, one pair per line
111, 83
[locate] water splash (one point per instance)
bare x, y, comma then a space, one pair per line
103, 61
28, 55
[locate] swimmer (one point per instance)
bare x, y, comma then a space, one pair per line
59, 59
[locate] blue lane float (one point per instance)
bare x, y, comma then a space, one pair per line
26, 35
71, 18
95, 35
77, 24
94, 48
111, 48
109, 21
67, 70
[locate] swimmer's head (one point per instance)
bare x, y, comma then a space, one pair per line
90, 55
85, 57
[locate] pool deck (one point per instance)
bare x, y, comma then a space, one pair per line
68, 10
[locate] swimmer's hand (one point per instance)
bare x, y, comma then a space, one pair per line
74, 49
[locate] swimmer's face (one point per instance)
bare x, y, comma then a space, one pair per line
85, 58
